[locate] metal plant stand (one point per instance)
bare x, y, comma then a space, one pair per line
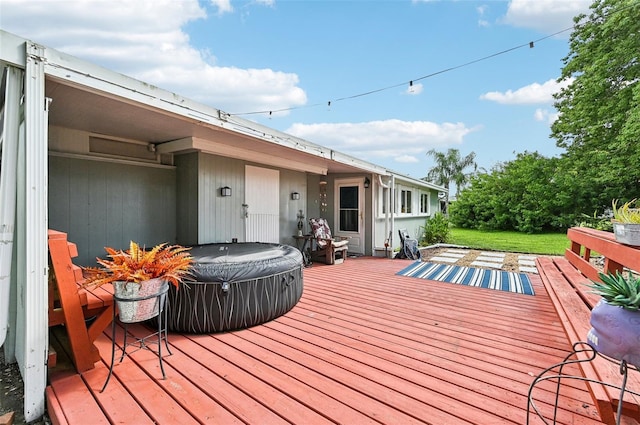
550, 374
141, 343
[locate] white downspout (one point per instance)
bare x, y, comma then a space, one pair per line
386, 213
392, 189
8, 188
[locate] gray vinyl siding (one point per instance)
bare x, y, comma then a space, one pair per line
206, 217
187, 198
292, 181
220, 218
102, 204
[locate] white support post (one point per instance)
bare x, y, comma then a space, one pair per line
32, 325
9, 140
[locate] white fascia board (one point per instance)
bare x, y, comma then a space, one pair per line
358, 163
418, 182
81, 74
207, 146
12, 50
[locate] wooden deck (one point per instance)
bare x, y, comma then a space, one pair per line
363, 345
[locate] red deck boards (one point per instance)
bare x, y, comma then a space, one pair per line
363, 345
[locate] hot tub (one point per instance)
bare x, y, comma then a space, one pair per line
235, 286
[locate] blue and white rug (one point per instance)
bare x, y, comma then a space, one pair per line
471, 276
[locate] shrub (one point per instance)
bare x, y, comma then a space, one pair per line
595, 221
436, 230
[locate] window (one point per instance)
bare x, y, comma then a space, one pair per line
349, 209
405, 201
424, 203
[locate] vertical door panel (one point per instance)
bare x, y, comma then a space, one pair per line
262, 205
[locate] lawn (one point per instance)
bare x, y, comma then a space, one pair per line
546, 243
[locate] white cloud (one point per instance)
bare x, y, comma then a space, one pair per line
481, 12
545, 115
407, 159
546, 16
532, 94
224, 6
145, 40
404, 141
415, 89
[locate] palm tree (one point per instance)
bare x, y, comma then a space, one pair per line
449, 168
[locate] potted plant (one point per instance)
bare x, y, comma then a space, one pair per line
626, 222
137, 273
615, 320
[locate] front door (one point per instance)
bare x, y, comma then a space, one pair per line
349, 214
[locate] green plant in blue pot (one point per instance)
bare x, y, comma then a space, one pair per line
615, 320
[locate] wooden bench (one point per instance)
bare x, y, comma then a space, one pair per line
71, 305
566, 279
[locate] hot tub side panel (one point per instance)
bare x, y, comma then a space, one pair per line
206, 307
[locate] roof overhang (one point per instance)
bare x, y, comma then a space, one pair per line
94, 99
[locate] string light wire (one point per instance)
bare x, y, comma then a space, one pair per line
529, 44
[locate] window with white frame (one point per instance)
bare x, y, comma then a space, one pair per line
424, 203
405, 201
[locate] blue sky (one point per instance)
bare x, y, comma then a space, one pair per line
294, 57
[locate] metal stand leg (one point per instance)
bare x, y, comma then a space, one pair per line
113, 348
548, 374
161, 332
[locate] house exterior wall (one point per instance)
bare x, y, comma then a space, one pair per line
411, 220
292, 181
102, 204
219, 218
204, 216
187, 198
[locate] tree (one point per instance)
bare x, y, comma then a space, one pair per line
521, 195
599, 111
450, 167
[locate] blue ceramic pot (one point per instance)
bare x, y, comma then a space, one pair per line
615, 332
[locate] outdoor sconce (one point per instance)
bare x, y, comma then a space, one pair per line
367, 182
295, 196
225, 191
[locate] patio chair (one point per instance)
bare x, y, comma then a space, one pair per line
324, 247
409, 248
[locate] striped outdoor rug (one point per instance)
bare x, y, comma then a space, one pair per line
472, 276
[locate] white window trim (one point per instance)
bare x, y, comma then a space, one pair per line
416, 196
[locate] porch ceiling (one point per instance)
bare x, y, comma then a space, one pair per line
100, 113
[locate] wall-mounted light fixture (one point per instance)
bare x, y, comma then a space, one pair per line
225, 191
295, 196
367, 182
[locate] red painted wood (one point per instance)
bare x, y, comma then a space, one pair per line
75, 303
72, 391
70, 302
363, 345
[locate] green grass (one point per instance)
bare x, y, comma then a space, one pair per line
547, 243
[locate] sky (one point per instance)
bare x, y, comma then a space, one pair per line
382, 80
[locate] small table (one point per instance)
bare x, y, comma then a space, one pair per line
305, 239
304, 249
